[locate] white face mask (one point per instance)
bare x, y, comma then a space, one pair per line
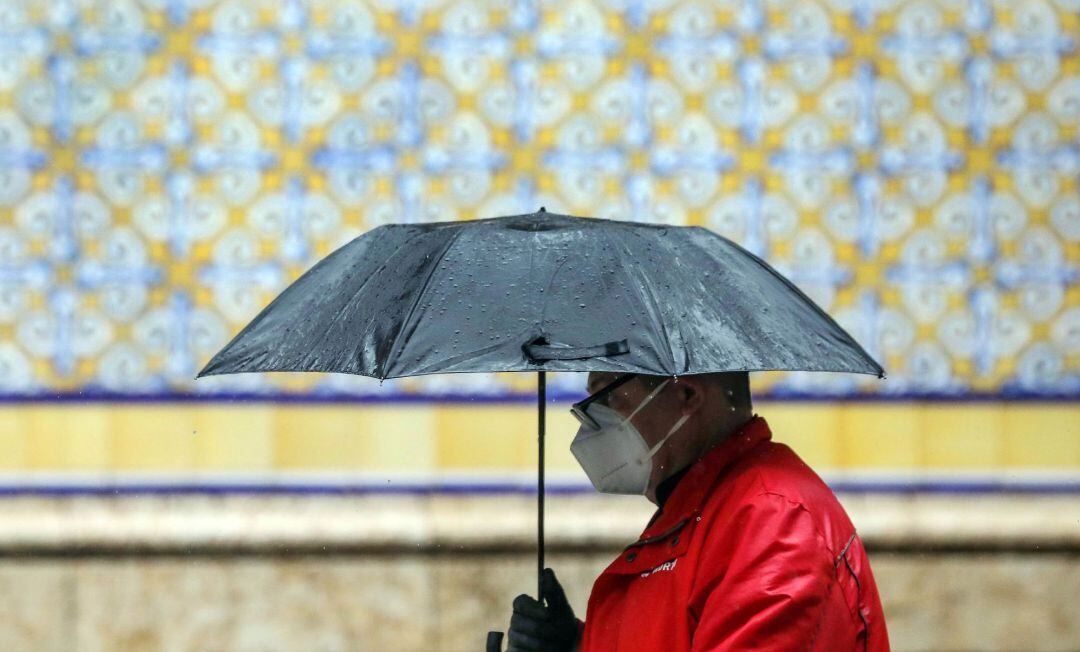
616, 457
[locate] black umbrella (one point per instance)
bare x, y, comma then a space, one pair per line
541, 292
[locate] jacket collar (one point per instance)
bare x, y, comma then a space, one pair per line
699, 479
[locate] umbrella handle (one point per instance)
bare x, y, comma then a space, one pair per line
539, 350
494, 642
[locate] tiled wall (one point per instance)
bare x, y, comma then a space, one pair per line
166, 168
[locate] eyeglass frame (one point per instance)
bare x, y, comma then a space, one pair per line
579, 409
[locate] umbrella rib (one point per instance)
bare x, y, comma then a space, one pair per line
879, 371
267, 310
327, 328
441, 366
648, 302
416, 299
547, 293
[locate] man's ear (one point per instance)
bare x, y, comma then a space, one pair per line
691, 393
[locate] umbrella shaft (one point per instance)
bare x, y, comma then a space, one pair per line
541, 398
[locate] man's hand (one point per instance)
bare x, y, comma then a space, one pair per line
536, 628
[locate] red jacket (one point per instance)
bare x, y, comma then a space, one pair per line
751, 551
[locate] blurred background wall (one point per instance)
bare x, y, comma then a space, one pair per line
168, 166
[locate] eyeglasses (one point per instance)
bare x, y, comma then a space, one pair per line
580, 409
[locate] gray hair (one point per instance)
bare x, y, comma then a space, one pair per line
736, 383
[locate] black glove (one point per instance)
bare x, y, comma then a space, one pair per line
536, 628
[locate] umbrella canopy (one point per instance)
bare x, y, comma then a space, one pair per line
541, 291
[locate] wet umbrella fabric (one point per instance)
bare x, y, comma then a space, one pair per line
541, 291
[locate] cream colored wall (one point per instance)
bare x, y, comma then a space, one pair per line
447, 603
246, 573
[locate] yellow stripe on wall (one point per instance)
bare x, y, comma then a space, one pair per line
441, 437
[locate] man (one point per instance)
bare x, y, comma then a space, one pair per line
748, 548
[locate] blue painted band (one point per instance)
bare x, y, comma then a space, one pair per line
961, 487
484, 399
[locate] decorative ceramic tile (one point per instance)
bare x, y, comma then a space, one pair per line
167, 168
